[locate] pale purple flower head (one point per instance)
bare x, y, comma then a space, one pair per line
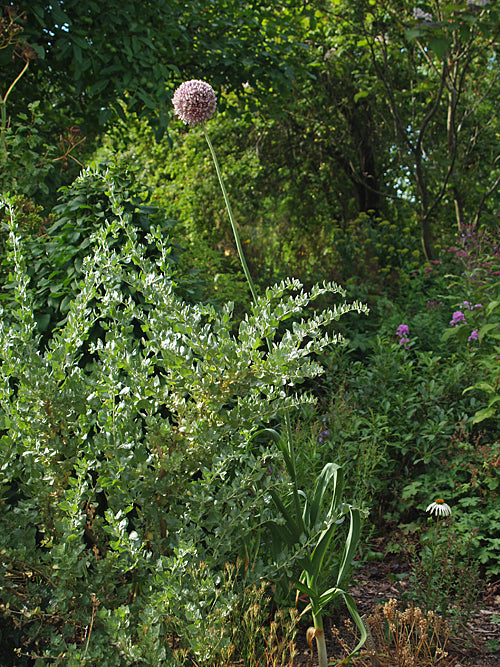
403, 331
458, 318
470, 306
194, 102
474, 336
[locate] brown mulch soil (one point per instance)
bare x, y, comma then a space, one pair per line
374, 584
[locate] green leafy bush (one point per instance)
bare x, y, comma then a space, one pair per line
402, 419
58, 245
129, 476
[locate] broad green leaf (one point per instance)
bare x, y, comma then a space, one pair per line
486, 328
361, 95
439, 46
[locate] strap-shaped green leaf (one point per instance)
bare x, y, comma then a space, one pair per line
312, 509
320, 550
280, 537
291, 525
351, 542
328, 596
307, 590
351, 606
337, 493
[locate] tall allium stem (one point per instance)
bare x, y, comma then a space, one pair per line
289, 436
291, 454
3, 106
288, 429
231, 216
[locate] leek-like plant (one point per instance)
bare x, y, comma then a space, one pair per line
308, 527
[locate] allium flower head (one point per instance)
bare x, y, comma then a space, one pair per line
194, 102
439, 507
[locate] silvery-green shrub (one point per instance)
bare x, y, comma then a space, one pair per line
129, 474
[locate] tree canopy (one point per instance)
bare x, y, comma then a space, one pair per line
97, 57
383, 108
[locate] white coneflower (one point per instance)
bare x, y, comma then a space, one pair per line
439, 507
194, 102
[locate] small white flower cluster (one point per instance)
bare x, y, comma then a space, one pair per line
420, 15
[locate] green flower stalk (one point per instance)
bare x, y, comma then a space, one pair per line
231, 217
195, 103
10, 36
314, 518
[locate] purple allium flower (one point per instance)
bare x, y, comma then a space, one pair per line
458, 318
194, 102
470, 306
474, 335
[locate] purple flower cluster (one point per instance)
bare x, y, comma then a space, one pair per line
469, 306
403, 331
457, 319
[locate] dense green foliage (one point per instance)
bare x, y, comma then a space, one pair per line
153, 509
91, 58
112, 443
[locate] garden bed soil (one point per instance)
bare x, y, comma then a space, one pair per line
374, 585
